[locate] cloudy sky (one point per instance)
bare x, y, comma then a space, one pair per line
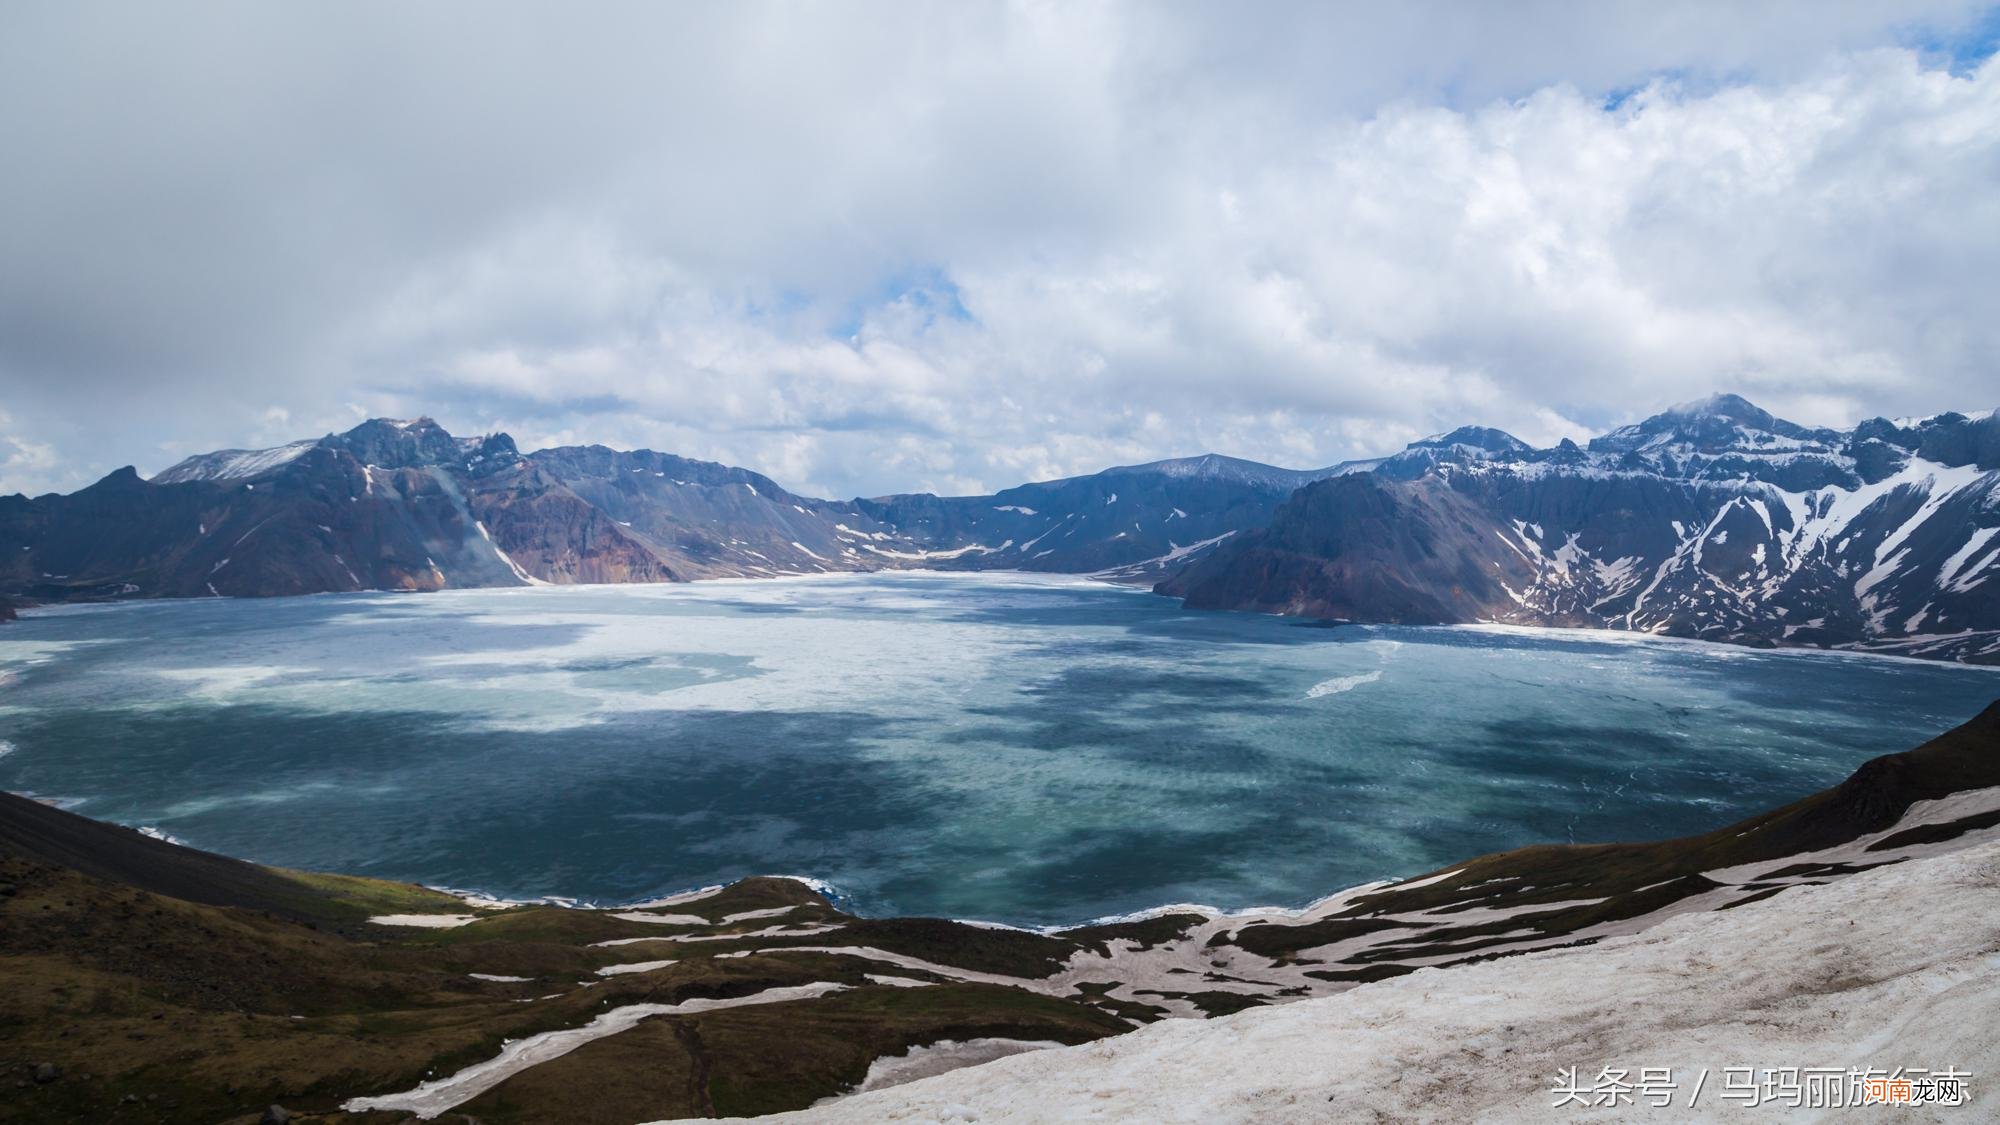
873, 247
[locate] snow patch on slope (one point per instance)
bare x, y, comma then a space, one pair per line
234, 464
1818, 976
432, 1098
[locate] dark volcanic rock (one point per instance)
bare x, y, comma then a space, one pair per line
395, 505
1360, 547
1132, 518
702, 519
397, 445
1712, 520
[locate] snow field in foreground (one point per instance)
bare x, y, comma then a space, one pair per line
1888, 968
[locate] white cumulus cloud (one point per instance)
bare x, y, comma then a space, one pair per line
955, 247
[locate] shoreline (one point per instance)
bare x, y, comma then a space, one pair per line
1636, 637
1278, 898
1053, 580
484, 900
514, 1009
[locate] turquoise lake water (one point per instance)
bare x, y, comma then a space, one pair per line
1014, 748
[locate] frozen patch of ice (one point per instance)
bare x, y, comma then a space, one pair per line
228, 683
633, 967
435, 1097
978, 924
871, 953
1808, 974
770, 931
1340, 684
941, 1057
753, 915
825, 889
676, 899
425, 921
1174, 553
661, 919
480, 900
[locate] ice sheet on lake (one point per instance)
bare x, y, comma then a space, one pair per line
999, 715
1340, 684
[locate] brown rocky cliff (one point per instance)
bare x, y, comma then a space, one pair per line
557, 536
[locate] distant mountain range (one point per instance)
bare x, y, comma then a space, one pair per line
393, 505
1713, 520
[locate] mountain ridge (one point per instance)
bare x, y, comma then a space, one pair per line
404, 505
1712, 519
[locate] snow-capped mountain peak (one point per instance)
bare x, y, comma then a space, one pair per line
233, 464
1482, 439
1718, 424
1714, 519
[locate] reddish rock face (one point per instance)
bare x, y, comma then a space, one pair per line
556, 536
405, 506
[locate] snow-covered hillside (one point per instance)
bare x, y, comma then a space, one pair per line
1827, 976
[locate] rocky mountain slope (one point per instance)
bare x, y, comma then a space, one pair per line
406, 506
1126, 521
143, 981
1712, 520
